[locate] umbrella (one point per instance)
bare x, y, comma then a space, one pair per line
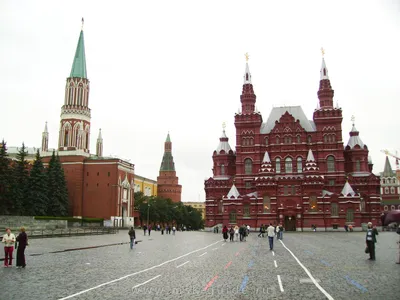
391, 217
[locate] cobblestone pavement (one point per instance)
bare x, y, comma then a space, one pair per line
199, 265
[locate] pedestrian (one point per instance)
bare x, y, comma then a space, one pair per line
261, 231
231, 234
149, 229
277, 232
22, 240
371, 240
173, 230
271, 234
280, 231
241, 233
144, 229
248, 230
132, 236
9, 241
225, 233
237, 233
162, 230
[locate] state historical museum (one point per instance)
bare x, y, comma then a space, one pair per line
292, 170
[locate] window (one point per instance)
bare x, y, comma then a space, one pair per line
248, 184
288, 165
98, 173
325, 139
248, 166
358, 166
392, 207
267, 204
386, 190
385, 208
299, 165
222, 169
232, 216
288, 140
220, 207
277, 140
334, 210
392, 190
331, 164
331, 182
66, 138
298, 139
285, 190
108, 174
313, 204
309, 139
350, 215
278, 165
293, 190
362, 205
266, 141
246, 211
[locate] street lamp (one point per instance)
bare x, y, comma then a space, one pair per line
148, 209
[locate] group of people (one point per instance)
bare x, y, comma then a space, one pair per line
236, 233
10, 242
167, 229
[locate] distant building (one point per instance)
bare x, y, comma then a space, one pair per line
167, 182
148, 187
12, 153
200, 206
390, 188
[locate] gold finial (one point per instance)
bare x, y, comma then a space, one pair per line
83, 21
247, 56
353, 118
223, 126
322, 51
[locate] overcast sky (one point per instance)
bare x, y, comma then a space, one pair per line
177, 66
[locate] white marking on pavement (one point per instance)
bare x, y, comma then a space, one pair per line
275, 264
280, 283
183, 264
308, 280
273, 253
223, 244
308, 273
138, 272
88, 263
215, 249
202, 254
145, 282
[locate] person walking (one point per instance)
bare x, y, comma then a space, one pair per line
277, 229
280, 231
261, 231
173, 230
231, 234
225, 233
144, 229
237, 233
162, 230
9, 241
271, 235
149, 229
371, 240
132, 236
22, 240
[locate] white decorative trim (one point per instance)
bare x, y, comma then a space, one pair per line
66, 114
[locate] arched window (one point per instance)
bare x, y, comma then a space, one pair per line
267, 204
385, 208
277, 140
288, 165
331, 164
334, 210
299, 165
392, 190
298, 139
232, 216
246, 210
358, 166
309, 140
222, 169
362, 205
386, 190
313, 204
248, 166
87, 140
266, 141
278, 165
350, 215
325, 139
220, 207
66, 138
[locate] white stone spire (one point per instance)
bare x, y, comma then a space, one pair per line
324, 70
247, 75
99, 145
310, 156
45, 139
266, 158
223, 142
233, 192
348, 190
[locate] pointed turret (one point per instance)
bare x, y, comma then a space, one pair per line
223, 144
233, 192
248, 98
45, 139
99, 145
167, 163
348, 190
388, 171
79, 64
311, 165
266, 166
355, 138
325, 92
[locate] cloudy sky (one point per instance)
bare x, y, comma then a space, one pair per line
177, 66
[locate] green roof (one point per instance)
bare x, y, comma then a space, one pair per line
388, 172
167, 163
168, 139
79, 65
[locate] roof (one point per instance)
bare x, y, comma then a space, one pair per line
266, 158
348, 190
324, 70
295, 111
355, 138
79, 65
223, 144
310, 156
387, 171
167, 163
247, 75
233, 192
168, 139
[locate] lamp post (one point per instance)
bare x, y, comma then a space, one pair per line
148, 209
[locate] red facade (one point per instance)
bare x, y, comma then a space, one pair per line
292, 170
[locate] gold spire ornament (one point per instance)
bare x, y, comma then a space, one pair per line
247, 56
322, 51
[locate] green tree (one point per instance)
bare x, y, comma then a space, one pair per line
37, 200
57, 188
19, 187
5, 181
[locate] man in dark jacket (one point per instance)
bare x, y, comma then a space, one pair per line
371, 240
132, 236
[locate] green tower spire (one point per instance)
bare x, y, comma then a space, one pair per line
79, 65
167, 163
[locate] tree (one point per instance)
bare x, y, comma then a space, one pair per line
5, 181
19, 187
57, 188
37, 201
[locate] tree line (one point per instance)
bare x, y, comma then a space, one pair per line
165, 212
32, 190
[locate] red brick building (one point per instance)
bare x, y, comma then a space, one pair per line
98, 186
167, 182
292, 170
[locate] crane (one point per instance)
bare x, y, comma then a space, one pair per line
394, 156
